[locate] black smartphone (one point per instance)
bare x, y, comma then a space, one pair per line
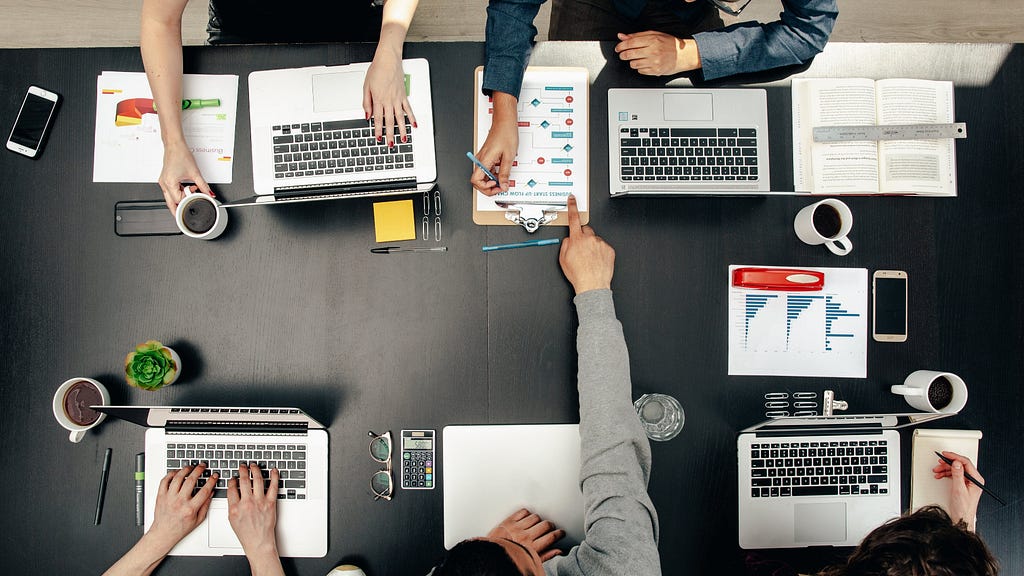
144, 218
890, 310
34, 120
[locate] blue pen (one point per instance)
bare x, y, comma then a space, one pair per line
480, 165
544, 242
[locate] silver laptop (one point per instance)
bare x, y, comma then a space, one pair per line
311, 139
285, 438
819, 480
490, 472
688, 141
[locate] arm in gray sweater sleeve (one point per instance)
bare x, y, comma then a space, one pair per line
620, 520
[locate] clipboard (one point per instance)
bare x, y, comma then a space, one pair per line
554, 131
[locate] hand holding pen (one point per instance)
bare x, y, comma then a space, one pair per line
967, 486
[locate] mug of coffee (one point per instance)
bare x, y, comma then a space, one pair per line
71, 405
827, 222
200, 216
932, 391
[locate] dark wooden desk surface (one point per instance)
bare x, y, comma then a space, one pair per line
290, 308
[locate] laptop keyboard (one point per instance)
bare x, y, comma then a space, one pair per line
289, 459
340, 147
837, 468
687, 154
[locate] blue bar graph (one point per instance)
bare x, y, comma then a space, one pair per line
834, 311
794, 306
755, 302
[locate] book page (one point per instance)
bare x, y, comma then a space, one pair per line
916, 166
835, 167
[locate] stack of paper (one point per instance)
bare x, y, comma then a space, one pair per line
128, 145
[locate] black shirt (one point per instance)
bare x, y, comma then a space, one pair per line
269, 21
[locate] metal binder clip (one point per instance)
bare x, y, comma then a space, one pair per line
830, 403
531, 216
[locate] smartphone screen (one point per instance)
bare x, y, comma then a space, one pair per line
35, 113
890, 306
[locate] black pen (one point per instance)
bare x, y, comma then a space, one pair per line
140, 487
972, 479
103, 487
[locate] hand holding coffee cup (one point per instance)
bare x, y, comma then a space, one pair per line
71, 405
932, 391
200, 216
827, 222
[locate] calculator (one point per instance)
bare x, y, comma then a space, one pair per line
418, 459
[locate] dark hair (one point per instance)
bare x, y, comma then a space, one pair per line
477, 558
925, 543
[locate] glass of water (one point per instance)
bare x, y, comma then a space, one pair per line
661, 416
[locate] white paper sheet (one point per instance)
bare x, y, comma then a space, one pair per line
134, 152
551, 162
824, 333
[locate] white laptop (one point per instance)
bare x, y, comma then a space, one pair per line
311, 139
285, 438
819, 480
688, 141
489, 472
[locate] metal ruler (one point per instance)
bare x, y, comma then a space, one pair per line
896, 132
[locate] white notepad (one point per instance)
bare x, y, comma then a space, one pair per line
924, 488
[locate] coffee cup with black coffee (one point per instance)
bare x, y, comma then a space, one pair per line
72, 405
200, 216
933, 391
826, 222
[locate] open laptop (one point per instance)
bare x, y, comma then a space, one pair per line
490, 472
688, 141
285, 438
311, 139
819, 480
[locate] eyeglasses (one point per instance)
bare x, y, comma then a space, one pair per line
726, 7
380, 450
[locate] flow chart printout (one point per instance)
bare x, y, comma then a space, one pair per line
821, 333
128, 145
551, 162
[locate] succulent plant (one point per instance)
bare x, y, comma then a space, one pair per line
150, 366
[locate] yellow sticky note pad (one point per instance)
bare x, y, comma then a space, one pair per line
394, 221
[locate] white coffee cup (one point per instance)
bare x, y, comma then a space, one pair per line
915, 390
77, 430
187, 204
838, 243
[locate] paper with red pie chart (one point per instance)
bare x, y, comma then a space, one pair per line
552, 161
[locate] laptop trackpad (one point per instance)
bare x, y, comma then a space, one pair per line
689, 107
825, 522
338, 91
221, 534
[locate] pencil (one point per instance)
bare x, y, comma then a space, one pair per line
527, 243
103, 487
972, 479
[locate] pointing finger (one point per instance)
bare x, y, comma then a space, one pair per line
574, 217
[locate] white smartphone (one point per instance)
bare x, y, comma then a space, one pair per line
33, 123
889, 292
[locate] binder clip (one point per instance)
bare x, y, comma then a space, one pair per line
831, 404
531, 215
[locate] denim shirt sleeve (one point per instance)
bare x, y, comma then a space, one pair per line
510, 34
800, 33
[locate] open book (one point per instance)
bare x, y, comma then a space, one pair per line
912, 167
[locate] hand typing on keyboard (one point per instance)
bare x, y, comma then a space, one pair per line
384, 95
252, 511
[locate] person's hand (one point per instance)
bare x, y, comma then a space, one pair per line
179, 166
499, 150
658, 54
587, 261
531, 531
964, 494
252, 511
177, 511
384, 97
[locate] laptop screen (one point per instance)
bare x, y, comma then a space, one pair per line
851, 423
159, 416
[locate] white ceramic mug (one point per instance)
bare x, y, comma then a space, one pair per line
77, 430
838, 244
915, 390
191, 196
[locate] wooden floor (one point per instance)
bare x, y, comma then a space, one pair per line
72, 23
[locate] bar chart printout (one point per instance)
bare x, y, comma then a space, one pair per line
781, 333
